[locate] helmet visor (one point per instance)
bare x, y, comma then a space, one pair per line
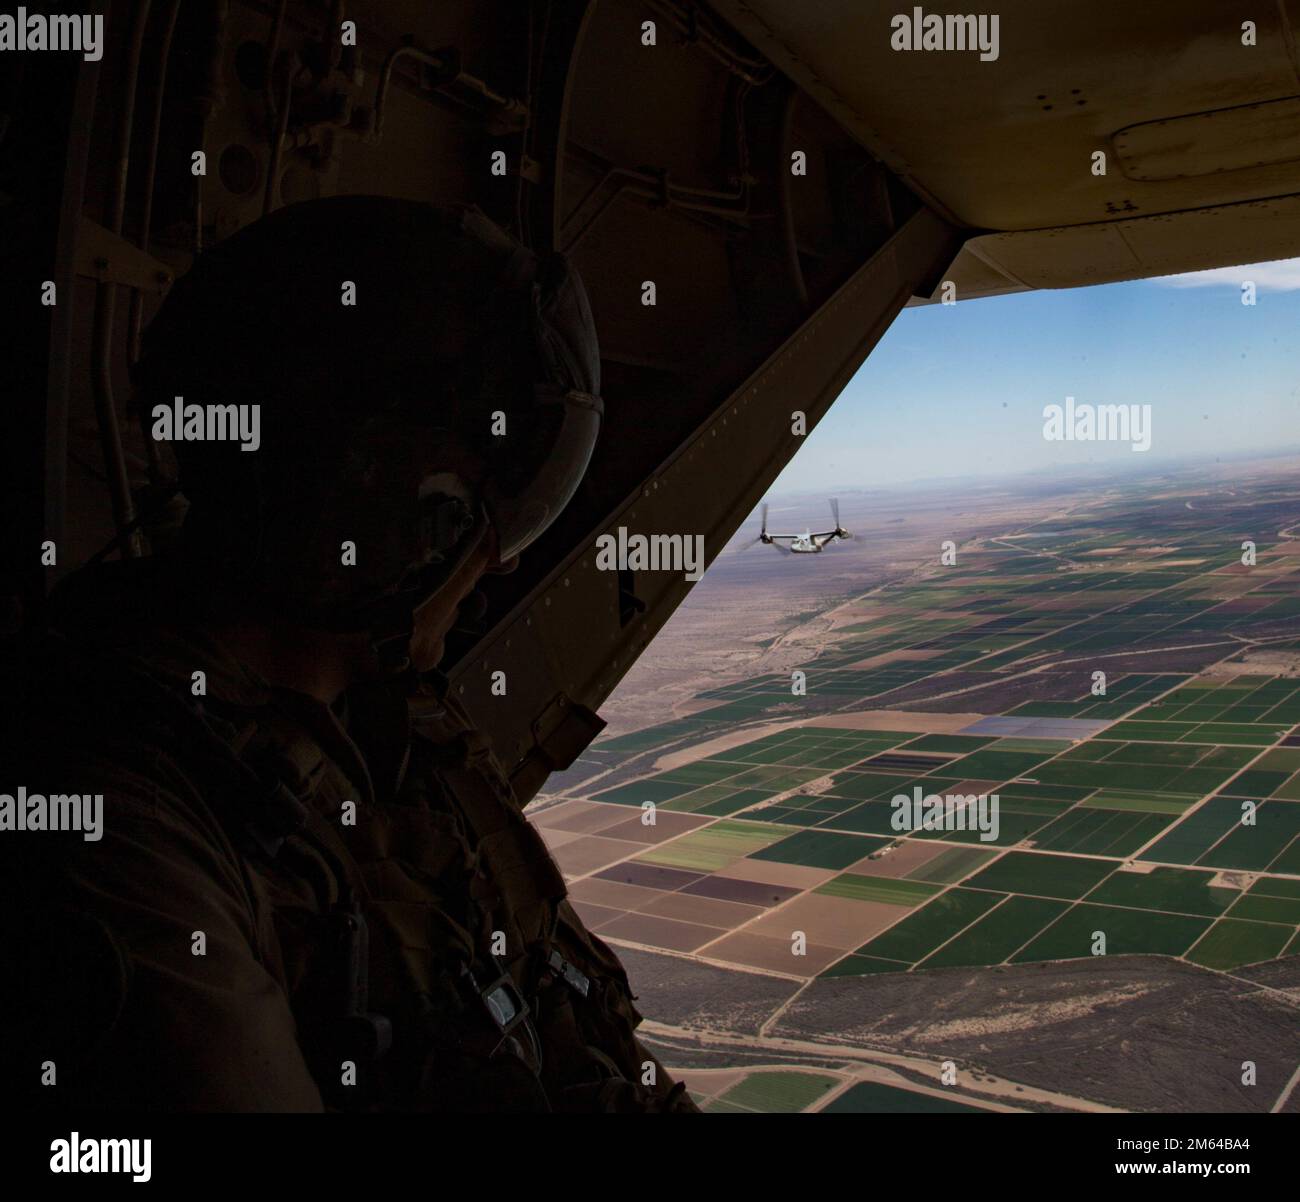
523, 513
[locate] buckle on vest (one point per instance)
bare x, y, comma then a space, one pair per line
578, 981
503, 1002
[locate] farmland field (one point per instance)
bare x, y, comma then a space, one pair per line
1117, 679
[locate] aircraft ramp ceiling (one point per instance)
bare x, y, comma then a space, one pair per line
1201, 132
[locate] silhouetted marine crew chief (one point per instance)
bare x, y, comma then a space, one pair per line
313, 887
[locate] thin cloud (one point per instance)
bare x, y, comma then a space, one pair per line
1281, 275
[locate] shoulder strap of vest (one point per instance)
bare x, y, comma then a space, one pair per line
468, 769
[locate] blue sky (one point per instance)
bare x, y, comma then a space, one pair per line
959, 390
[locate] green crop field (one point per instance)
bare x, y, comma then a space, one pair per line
1159, 808
1126, 932
1042, 875
998, 934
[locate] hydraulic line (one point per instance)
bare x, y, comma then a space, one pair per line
696, 26
277, 115
207, 98
272, 53
786, 204
136, 316
288, 63
110, 435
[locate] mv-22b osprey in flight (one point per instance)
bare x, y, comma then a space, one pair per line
807, 543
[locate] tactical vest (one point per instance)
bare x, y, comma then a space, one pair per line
420, 932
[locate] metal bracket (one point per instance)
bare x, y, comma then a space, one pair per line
111, 259
564, 729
